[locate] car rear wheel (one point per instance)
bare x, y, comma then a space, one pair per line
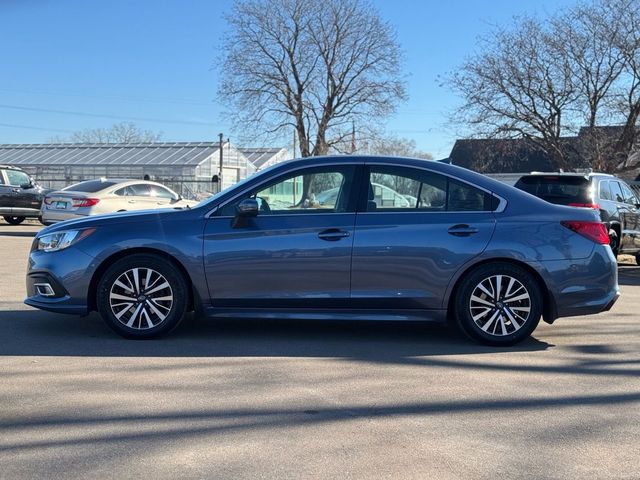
498, 304
142, 296
11, 220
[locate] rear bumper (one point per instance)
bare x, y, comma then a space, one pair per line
582, 286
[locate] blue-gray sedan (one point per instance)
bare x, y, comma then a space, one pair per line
335, 238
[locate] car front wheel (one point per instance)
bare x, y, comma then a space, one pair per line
498, 304
142, 296
12, 220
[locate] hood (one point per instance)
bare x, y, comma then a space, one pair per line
135, 216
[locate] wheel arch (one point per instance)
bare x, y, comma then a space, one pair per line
193, 301
549, 309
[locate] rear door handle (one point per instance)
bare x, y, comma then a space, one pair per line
333, 234
15, 190
462, 230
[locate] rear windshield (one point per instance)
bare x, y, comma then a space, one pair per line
90, 186
561, 189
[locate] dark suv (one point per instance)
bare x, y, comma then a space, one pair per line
20, 196
616, 201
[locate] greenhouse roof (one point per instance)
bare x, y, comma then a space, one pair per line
260, 156
174, 153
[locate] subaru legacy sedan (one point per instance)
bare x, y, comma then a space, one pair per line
460, 247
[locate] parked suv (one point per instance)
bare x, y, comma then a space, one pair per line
20, 196
612, 197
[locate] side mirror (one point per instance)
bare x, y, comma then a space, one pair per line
247, 208
26, 186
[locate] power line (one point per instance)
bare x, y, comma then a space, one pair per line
96, 115
111, 97
28, 127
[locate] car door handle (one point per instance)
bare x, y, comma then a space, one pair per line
15, 190
462, 230
333, 234
131, 201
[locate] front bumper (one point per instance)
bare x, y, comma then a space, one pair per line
69, 274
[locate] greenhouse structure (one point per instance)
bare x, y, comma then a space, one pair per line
190, 168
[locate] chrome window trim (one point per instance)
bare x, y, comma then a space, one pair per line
502, 204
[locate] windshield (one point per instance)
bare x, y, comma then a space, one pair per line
240, 184
560, 189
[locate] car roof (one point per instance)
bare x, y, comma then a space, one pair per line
569, 174
11, 167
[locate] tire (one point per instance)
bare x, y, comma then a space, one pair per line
134, 311
614, 242
12, 220
498, 321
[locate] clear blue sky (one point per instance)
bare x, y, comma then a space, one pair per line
152, 62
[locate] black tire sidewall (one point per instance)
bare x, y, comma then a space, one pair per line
161, 265
13, 219
615, 246
472, 279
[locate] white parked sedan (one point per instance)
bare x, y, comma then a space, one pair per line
95, 197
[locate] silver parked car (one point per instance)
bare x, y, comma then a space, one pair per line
94, 197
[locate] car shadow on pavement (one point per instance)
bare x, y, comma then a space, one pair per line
629, 275
31, 332
5, 233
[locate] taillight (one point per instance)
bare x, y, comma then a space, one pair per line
84, 202
595, 231
595, 206
48, 201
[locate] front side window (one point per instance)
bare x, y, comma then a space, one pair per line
616, 192
629, 196
16, 177
139, 190
161, 192
394, 188
316, 190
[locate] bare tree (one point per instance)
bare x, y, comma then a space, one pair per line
312, 65
540, 80
519, 86
392, 146
124, 132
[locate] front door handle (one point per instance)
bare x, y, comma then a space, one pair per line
462, 230
333, 234
15, 190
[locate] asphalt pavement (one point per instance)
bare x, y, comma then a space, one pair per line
275, 399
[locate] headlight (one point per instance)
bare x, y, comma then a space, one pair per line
53, 242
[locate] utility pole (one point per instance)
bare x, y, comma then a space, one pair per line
294, 143
221, 158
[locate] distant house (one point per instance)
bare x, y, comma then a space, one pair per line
521, 155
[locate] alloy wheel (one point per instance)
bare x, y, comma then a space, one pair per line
500, 305
141, 298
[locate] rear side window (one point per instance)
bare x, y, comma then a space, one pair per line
1, 177
605, 193
90, 186
560, 189
403, 189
